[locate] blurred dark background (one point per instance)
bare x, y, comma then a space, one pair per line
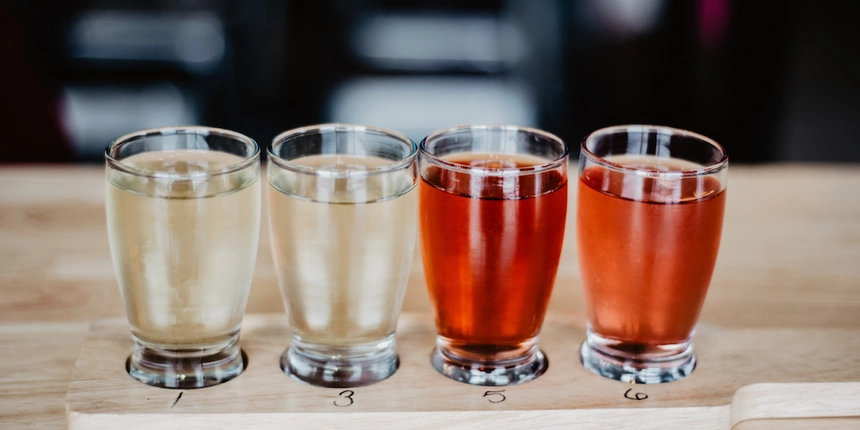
771, 80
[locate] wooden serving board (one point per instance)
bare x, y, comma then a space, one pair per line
742, 374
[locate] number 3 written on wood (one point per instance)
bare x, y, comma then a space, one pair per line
345, 399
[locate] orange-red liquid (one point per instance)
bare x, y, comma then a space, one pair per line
647, 249
490, 262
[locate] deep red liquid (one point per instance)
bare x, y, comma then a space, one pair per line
490, 263
647, 250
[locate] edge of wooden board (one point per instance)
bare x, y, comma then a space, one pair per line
742, 375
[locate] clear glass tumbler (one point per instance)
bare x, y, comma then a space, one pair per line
493, 201
649, 219
342, 214
183, 217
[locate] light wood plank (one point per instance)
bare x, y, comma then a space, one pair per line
36, 364
801, 424
788, 257
738, 378
788, 260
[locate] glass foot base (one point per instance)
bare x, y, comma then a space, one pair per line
640, 369
168, 369
488, 374
341, 367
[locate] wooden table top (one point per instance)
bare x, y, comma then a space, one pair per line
790, 258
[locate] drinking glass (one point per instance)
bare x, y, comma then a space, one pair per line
493, 200
183, 217
343, 217
649, 218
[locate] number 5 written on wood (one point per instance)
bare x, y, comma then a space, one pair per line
497, 395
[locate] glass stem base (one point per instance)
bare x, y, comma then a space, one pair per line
635, 363
186, 369
341, 367
510, 371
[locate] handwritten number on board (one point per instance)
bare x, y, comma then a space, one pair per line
345, 394
501, 397
637, 396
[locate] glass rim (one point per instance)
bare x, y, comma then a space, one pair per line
659, 129
395, 165
499, 171
118, 164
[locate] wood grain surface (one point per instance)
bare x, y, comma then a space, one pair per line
733, 382
789, 259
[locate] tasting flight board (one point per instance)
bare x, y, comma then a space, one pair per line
742, 375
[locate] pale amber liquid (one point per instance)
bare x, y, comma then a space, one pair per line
184, 250
342, 248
